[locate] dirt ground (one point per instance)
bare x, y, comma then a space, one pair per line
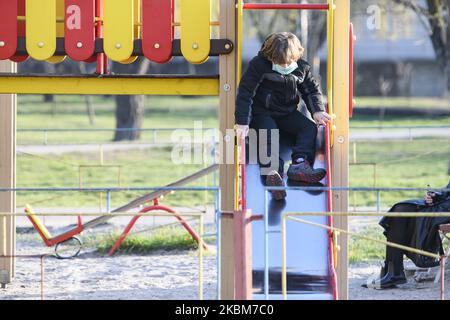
162, 275
159, 276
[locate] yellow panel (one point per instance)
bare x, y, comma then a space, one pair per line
205, 86
239, 35
118, 29
195, 30
59, 30
137, 19
137, 28
38, 222
41, 28
129, 60
330, 65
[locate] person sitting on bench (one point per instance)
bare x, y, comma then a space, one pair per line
419, 232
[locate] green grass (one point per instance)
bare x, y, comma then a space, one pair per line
69, 112
393, 121
404, 163
402, 102
399, 163
168, 239
146, 168
362, 249
409, 164
412, 164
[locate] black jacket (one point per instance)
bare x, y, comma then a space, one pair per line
421, 232
263, 90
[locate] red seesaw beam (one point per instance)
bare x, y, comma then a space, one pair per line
285, 6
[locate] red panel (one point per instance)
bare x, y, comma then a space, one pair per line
21, 29
351, 71
80, 29
8, 30
157, 29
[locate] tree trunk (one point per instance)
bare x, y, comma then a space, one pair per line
436, 14
88, 99
49, 68
49, 98
130, 109
440, 36
129, 115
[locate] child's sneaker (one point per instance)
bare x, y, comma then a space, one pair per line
303, 172
274, 179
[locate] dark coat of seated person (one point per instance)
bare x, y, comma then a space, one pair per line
416, 232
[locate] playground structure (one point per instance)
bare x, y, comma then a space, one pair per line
96, 30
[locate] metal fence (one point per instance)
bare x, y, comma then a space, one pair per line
44, 132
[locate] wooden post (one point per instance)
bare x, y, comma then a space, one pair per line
243, 256
7, 178
340, 150
226, 115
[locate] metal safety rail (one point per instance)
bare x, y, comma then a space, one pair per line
328, 214
293, 217
153, 131
328, 7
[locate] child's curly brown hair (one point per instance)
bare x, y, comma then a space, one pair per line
282, 48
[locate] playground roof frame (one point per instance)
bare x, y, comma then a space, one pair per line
110, 84
286, 6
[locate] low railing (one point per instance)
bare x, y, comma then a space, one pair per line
198, 216
292, 217
331, 228
109, 191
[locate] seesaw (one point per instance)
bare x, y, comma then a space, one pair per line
68, 245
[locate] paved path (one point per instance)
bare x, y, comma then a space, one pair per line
59, 149
355, 135
398, 134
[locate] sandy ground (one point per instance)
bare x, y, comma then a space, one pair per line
162, 275
90, 276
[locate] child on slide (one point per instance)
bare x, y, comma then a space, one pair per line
268, 98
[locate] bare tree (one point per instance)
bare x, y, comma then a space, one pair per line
130, 109
87, 98
436, 18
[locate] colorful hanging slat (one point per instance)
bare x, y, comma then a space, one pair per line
59, 30
195, 30
41, 28
157, 29
9, 28
80, 29
118, 27
20, 29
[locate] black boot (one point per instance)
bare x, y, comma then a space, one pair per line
390, 279
391, 275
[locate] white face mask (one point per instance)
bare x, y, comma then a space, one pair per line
285, 70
